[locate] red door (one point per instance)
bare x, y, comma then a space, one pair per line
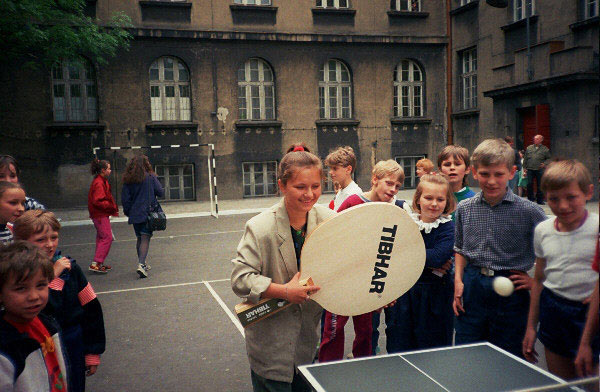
536, 121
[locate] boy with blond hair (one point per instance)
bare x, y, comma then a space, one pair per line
387, 179
342, 164
564, 278
493, 237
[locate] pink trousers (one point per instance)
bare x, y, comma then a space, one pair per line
104, 238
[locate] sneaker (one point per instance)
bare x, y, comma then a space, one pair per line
147, 267
101, 269
141, 271
106, 266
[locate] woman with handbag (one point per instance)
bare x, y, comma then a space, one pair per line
140, 189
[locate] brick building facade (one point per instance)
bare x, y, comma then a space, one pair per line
254, 78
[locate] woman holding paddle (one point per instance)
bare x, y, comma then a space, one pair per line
267, 265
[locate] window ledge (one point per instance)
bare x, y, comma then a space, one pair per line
466, 113
334, 11
165, 4
337, 122
463, 8
407, 14
171, 125
583, 24
252, 8
519, 23
71, 126
258, 124
409, 120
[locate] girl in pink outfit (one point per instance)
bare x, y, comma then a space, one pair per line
101, 206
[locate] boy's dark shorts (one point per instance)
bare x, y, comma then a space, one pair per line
561, 324
141, 228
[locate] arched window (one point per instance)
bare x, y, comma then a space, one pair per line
74, 92
408, 90
170, 96
335, 91
256, 91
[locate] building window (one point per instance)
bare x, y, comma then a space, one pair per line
253, 2
333, 3
408, 164
170, 95
591, 8
468, 79
177, 181
74, 92
523, 8
405, 5
260, 178
408, 90
335, 91
256, 91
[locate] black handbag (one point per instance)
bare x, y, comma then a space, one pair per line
157, 220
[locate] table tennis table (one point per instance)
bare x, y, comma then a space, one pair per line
474, 367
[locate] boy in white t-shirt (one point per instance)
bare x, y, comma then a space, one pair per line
342, 163
564, 278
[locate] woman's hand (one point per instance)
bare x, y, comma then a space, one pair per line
296, 293
60, 265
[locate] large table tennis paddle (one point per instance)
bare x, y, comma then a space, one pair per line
362, 258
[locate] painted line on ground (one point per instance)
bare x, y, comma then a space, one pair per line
231, 316
160, 238
161, 287
88, 222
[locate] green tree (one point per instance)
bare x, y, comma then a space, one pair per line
45, 32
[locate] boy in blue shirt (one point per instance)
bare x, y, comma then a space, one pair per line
493, 237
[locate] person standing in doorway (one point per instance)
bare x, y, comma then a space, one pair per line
534, 162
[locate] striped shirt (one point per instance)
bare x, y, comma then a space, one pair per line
497, 237
6, 237
32, 204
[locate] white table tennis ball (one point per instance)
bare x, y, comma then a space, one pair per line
503, 286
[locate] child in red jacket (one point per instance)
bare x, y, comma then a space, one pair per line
101, 206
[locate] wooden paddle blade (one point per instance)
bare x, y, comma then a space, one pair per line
363, 258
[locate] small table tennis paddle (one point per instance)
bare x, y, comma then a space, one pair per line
362, 258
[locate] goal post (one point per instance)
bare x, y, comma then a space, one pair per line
211, 165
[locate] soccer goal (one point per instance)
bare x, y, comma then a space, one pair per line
211, 164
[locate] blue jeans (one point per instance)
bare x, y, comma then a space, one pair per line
490, 317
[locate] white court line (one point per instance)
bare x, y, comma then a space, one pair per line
234, 319
160, 287
86, 222
160, 238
